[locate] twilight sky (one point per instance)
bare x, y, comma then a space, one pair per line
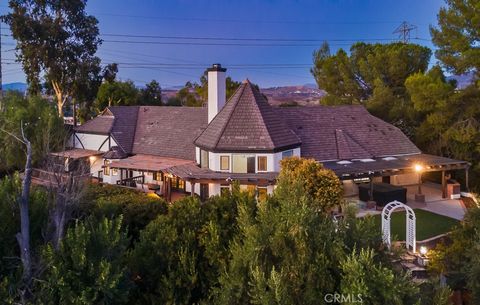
244, 24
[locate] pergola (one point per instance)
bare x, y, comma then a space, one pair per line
398, 165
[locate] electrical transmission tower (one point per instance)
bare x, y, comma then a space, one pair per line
404, 30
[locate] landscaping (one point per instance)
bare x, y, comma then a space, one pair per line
428, 224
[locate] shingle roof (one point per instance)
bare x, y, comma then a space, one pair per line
101, 124
169, 131
344, 132
124, 124
247, 123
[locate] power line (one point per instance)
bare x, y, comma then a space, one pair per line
245, 39
218, 44
196, 19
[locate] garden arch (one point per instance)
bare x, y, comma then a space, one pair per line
387, 211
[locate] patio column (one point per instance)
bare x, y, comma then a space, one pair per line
192, 193
444, 185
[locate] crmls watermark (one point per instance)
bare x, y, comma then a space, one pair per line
342, 298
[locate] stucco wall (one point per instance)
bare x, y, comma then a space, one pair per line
93, 141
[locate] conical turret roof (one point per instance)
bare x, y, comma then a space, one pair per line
247, 123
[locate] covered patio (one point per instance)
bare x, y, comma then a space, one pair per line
405, 174
149, 174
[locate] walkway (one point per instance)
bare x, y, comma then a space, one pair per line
434, 202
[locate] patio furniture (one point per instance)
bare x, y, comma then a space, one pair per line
383, 193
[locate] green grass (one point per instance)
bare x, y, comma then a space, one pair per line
428, 224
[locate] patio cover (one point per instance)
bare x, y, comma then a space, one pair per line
149, 163
193, 172
394, 166
77, 153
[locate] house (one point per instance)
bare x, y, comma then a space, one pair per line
202, 150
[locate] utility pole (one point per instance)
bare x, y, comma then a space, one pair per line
403, 31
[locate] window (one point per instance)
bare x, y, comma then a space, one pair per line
106, 167
243, 164
262, 163
114, 171
181, 184
287, 153
157, 176
203, 159
224, 163
224, 189
261, 193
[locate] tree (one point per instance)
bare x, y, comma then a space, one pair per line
115, 94
151, 94
180, 255
56, 39
110, 72
41, 125
449, 119
458, 261
11, 286
305, 180
364, 281
23, 238
458, 35
353, 79
88, 268
285, 253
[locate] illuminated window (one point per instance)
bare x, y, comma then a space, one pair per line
114, 171
181, 184
106, 167
287, 153
261, 193
262, 163
224, 163
157, 176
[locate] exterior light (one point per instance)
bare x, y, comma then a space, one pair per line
423, 250
418, 168
92, 159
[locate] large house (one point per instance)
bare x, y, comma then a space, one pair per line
203, 150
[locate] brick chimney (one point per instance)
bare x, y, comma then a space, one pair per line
216, 90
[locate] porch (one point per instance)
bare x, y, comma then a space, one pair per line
147, 173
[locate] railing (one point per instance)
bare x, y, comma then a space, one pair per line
132, 182
55, 179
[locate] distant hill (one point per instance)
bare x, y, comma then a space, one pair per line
15, 86
302, 94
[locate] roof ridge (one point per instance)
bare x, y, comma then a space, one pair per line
339, 136
253, 89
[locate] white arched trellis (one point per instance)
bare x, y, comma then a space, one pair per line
410, 223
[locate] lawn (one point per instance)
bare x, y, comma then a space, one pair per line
428, 224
